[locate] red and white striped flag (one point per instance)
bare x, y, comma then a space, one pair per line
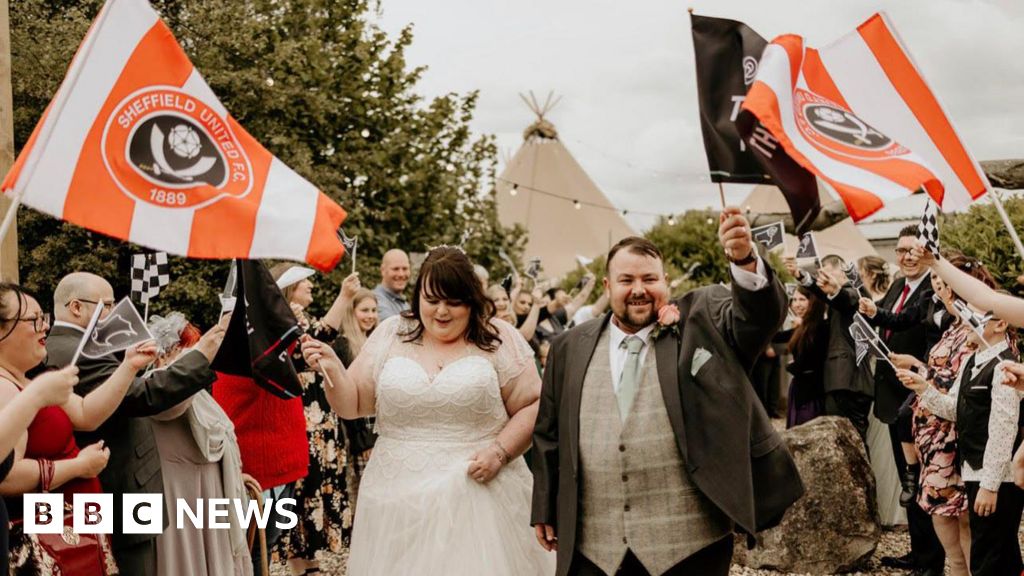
135, 145
860, 116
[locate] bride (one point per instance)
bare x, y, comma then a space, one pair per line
455, 396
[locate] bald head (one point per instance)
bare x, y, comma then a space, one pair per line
394, 270
76, 297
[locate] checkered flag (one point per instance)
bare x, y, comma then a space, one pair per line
150, 273
928, 228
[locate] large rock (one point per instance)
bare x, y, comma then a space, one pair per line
834, 528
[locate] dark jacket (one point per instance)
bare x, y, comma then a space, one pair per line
913, 333
134, 466
841, 370
808, 367
732, 453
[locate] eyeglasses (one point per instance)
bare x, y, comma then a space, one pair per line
108, 305
902, 251
39, 322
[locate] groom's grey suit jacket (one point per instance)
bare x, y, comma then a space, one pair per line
732, 453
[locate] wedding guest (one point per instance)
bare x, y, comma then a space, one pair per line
808, 343
48, 458
987, 415
394, 277
482, 275
46, 390
892, 405
940, 490
128, 433
874, 273
322, 498
358, 320
502, 306
200, 460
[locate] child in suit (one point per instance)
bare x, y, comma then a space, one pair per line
987, 415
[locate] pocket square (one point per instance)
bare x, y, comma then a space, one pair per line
700, 357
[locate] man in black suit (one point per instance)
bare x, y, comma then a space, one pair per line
849, 388
652, 430
134, 465
905, 329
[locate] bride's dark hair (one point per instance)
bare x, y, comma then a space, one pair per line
447, 274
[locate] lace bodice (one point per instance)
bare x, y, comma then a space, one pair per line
460, 403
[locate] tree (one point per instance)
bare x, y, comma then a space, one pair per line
980, 233
321, 87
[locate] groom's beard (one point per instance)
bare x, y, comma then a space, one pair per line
635, 320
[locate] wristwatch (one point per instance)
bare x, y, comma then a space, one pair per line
751, 257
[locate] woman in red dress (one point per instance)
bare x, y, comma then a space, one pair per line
47, 458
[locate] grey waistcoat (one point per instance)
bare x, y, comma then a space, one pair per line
635, 492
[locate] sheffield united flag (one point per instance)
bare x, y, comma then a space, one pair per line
859, 115
136, 146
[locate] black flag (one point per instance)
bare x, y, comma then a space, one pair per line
770, 236
739, 149
260, 333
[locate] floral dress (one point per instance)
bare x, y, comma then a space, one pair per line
322, 499
941, 489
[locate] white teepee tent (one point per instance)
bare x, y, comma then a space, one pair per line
539, 189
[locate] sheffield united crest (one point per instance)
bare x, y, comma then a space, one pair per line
168, 148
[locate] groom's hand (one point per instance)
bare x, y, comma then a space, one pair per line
734, 234
546, 536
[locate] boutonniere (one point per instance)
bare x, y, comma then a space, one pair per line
668, 321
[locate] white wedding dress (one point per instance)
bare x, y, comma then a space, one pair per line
418, 510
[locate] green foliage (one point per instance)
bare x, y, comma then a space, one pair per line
691, 243
980, 233
323, 89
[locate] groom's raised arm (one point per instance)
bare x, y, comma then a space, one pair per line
545, 438
754, 313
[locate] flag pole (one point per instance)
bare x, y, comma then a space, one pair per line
721, 194
145, 316
1006, 222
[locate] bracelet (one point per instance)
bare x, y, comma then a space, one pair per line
46, 472
751, 257
503, 454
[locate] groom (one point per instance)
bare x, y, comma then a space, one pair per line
650, 444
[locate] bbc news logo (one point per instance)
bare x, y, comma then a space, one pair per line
144, 513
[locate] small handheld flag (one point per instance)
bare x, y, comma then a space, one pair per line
121, 329
150, 273
975, 320
533, 270
770, 236
850, 269
351, 244
928, 228
866, 341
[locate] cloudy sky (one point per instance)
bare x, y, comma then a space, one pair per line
625, 73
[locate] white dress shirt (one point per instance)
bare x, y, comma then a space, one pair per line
1002, 421
617, 353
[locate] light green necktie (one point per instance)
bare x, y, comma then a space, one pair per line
629, 381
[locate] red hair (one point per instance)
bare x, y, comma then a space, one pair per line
189, 336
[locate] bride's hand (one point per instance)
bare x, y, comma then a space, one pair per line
485, 464
319, 355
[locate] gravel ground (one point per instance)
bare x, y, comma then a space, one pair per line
894, 543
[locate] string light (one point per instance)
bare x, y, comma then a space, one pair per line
577, 203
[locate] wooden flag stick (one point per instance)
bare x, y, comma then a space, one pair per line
721, 194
